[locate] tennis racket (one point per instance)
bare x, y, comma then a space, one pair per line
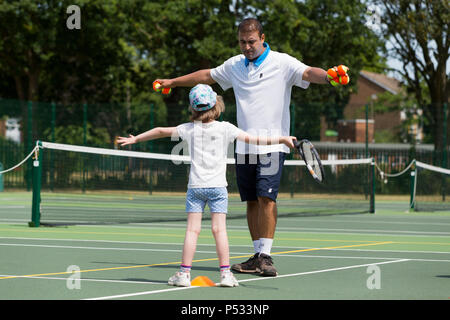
311, 158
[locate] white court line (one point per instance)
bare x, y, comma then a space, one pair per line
292, 229
127, 295
141, 293
92, 248
368, 222
328, 270
232, 253
199, 244
81, 279
280, 229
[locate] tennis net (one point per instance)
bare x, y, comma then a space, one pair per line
431, 188
85, 185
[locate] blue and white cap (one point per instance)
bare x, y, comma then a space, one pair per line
202, 97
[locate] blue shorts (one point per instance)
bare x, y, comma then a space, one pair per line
216, 198
259, 175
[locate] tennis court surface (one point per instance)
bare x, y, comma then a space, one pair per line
390, 255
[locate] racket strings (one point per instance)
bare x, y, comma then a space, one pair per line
311, 159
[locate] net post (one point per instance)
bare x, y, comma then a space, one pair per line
412, 187
372, 193
37, 175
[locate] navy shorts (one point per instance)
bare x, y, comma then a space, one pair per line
259, 175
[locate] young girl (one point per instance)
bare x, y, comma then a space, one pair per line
208, 142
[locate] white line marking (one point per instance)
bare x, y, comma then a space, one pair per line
91, 248
199, 244
246, 280
300, 255
81, 279
141, 293
326, 270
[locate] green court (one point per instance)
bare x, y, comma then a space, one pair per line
392, 254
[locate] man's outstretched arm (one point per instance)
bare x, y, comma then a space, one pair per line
315, 75
189, 80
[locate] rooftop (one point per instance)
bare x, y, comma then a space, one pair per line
387, 83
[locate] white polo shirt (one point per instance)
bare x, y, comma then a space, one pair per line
208, 145
263, 95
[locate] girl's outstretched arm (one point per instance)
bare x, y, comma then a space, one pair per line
155, 133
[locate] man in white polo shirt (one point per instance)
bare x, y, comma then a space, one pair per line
262, 80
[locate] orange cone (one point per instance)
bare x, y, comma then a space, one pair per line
202, 281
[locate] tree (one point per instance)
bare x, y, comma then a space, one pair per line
123, 46
182, 36
417, 32
50, 62
177, 37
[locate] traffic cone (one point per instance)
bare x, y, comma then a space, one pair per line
202, 281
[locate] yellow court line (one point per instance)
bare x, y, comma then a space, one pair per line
201, 260
417, 242
339, 247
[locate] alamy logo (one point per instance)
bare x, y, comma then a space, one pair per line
74, 20
74, 280
374, 280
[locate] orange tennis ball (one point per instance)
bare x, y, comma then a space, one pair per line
334, 82
166, 90
344, 80
342, 70
332, 73
156, 86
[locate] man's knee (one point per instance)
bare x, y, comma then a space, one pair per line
266, 202
252, 205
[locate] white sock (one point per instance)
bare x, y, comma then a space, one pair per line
184, 268
224, 269
257, 245
266, 245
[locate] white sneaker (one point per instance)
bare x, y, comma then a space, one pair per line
180, 279
227, 279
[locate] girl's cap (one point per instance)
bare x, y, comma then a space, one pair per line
202, 97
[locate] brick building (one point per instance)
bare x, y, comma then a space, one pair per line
2, 128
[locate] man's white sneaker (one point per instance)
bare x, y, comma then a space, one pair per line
180, 279
227, 279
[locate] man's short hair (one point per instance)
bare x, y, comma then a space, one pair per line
250, 25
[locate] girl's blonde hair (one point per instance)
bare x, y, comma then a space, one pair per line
211, 114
